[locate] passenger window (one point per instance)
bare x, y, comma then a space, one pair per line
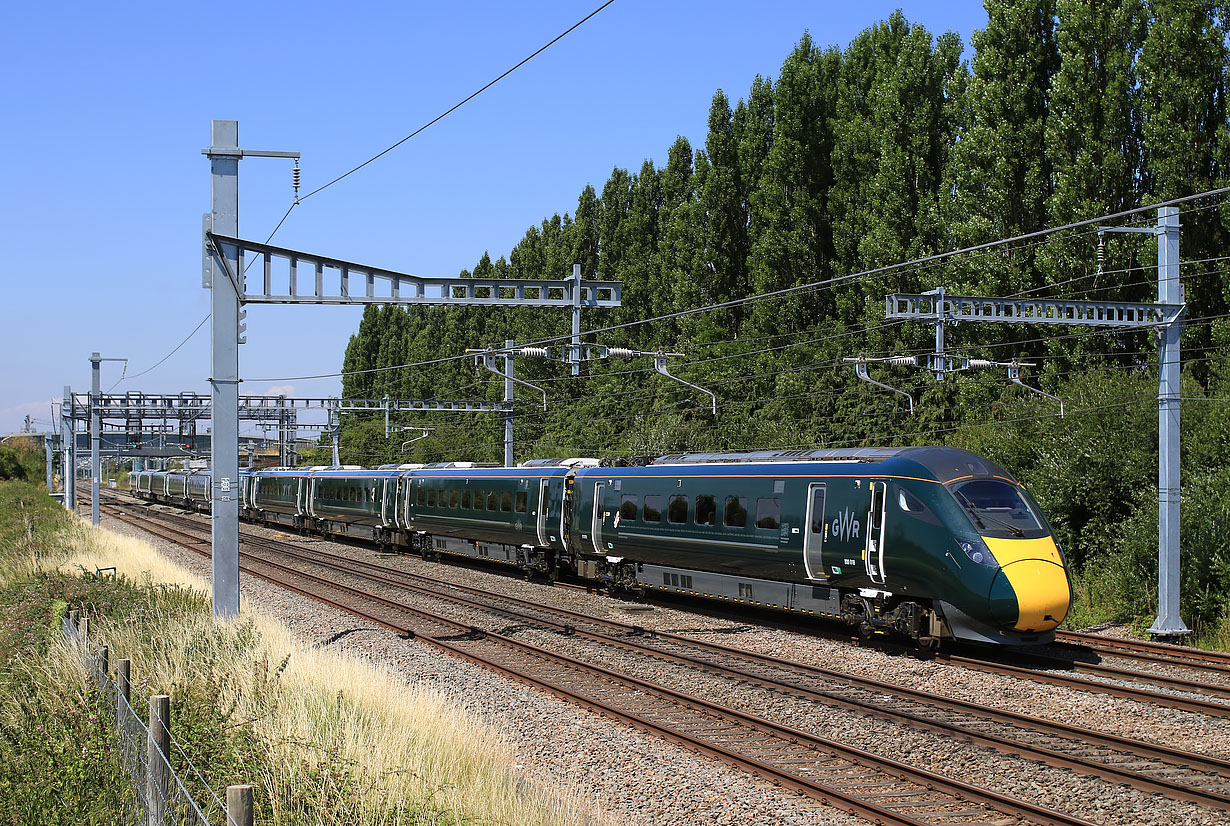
736, 512
523, 502
768, 514
653, 509
422, 494
817, 511
627, 508
706, 510
506, 501
677, 512
465, 499
491, 500
454, 497
908, 502
431, 498
480, 499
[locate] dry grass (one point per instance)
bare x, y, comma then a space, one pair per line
407, 745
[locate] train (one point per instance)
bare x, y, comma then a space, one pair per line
926, 543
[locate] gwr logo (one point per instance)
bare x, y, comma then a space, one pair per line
845, 526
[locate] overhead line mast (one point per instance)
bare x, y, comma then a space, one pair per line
1166, 316
224, 273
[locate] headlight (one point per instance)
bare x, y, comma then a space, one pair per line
977, 551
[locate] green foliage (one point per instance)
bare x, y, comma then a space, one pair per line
59, 756
22, 458
30, 521
851, 158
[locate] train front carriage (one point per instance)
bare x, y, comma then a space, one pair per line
925, 542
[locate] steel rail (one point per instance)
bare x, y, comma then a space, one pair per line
1168, 758
1214, 661
965, 793
1177, 684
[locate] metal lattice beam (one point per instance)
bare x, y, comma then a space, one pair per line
1032, 311
132, 408
318, 279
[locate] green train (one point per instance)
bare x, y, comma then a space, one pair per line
924, 542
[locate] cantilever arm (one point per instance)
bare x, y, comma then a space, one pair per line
488, 360
860, 369
659, 364
1014, 376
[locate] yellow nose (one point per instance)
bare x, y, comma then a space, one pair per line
1034, 571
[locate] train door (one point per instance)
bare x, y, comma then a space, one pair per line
873, 555
599, 516
542, 511
813, 540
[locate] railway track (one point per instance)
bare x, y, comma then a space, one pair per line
1157, 769
1205, 696
1211, 662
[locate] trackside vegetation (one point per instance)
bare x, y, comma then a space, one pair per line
856, 157
325, 738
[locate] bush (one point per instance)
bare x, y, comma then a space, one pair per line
22, 458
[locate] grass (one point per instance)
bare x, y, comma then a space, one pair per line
325, 737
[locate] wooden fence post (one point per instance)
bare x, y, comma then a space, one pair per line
158, 758
123, 692
239, 810
102, 665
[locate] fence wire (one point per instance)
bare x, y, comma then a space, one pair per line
159, 795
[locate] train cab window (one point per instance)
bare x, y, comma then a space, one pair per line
653, 509
736, 512
627, 508
431, 497
768, 514
422, 500
523, 502
706, 510
998, 508
506, 501
465, 499
677, 511
492, 498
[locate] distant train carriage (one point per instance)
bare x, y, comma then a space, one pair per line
198, 489
280, 495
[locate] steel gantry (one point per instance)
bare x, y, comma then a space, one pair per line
332, 281
1165, 316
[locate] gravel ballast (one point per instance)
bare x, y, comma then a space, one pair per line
639, 779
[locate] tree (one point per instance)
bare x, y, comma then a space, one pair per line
1186, 140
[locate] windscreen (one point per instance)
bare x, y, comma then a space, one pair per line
998, 509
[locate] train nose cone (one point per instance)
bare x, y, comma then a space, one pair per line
1030, 595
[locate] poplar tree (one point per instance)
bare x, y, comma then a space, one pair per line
1183, 65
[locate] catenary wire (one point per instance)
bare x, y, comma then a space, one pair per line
799, 288
454, 108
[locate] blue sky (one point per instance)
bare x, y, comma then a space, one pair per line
107, 107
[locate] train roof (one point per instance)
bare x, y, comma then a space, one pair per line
947, 464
